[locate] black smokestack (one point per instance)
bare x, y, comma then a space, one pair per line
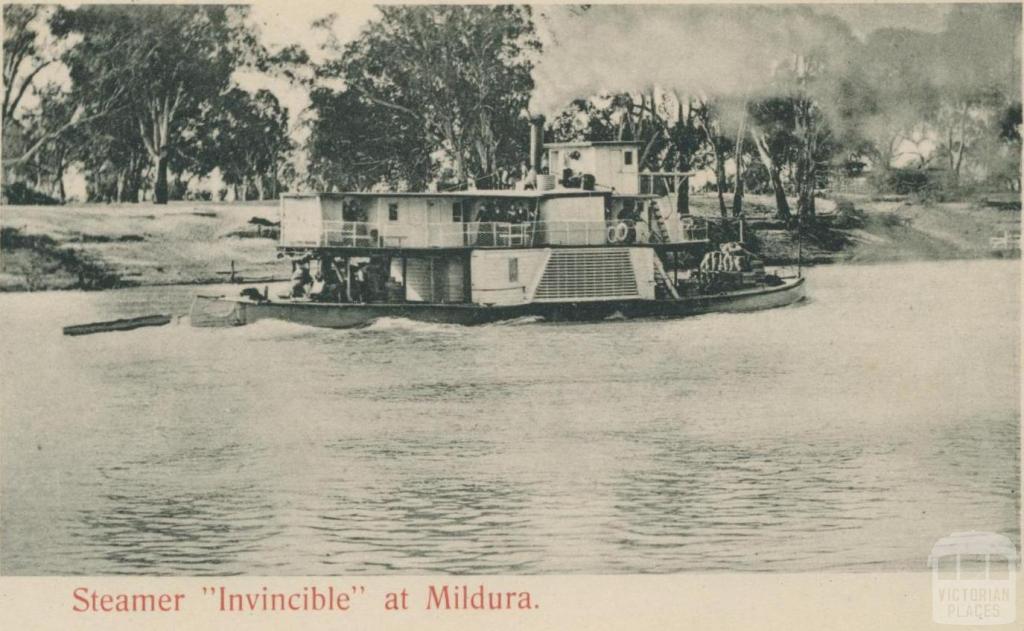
536, 142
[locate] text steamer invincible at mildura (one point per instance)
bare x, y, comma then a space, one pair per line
594, 241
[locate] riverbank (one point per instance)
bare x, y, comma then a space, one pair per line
99, 246
858, 229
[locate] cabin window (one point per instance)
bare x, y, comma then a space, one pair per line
513, 270
457, 212
392, 212
627, 157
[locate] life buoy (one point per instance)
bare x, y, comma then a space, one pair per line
621, 232
610, 233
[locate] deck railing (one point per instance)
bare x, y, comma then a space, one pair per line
497, 234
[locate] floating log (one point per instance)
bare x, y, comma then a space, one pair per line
125, 324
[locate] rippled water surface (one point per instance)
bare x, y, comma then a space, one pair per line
846, 433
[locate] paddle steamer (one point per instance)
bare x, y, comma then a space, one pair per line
584, 236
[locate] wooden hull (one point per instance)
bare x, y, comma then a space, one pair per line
208, 311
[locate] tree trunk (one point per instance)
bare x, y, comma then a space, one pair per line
737, 197
781, 204
133, 180
720, 183
160, 188
805, 177
775, 175
806, 166
60, 182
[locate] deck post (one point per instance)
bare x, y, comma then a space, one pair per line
348, 280
467, 278
431, 259
405, 280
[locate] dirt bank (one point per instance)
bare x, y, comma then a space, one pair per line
98, 246
877, 231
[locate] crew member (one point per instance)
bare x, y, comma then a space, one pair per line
300, 277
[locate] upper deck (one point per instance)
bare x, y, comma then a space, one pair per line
481, 219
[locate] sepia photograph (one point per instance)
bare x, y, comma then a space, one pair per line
458, 290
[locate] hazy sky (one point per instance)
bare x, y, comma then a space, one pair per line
288, 22
284, 23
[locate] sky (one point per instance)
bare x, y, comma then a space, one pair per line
286, 23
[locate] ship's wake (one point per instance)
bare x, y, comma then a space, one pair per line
406, 324
520, 321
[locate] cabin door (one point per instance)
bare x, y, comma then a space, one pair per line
447, 282
629, 161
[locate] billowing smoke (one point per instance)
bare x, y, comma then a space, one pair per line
712, 50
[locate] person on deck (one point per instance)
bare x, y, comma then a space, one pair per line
359, 284
300, 277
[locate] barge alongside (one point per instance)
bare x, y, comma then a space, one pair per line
596, 243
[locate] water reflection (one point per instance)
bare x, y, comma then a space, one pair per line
429, 525
754, 507
146, 532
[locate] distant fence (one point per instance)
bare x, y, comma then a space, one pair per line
851, 186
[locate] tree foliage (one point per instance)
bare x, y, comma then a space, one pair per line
247, 137
24, 58
457, 74
354, 144
162, 64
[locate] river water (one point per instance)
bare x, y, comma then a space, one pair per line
846, 433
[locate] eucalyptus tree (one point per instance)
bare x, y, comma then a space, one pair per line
160, 63
688, 147
24, 56
462, 73
247, 138
977, 67
772, 127
354, 144
30, 49
720, 145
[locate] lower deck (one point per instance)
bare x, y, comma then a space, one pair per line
505, 278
